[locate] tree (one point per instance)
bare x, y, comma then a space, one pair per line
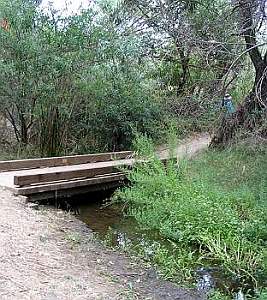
193, 39
18, 46
73, 84
253, 19
251, 114
37, 66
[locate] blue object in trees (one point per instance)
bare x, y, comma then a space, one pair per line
228, 104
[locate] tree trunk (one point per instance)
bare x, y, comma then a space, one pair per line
183, 80
24, 130
252, 112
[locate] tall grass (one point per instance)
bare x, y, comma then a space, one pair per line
212, 210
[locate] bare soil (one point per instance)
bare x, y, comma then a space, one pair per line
48, 254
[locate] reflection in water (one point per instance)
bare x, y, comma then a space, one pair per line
205, 281
110, 224
101, 218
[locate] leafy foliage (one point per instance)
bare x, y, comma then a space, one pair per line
73, 84
88, 81
207, 208
91, 81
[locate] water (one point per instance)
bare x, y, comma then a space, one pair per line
110, 224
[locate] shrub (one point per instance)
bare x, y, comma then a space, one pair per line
218, 226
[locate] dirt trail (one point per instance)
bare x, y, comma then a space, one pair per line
48, 254
187, 148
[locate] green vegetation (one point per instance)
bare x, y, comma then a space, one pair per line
212, 210
73, 84
87, 82
91, 81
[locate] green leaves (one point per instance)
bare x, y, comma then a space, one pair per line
84, 68
219, 226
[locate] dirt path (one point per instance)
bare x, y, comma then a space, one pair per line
48, 254
187, 148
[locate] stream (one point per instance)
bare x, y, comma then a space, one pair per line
111, 226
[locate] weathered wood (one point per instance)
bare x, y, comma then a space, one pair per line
58, 186
69, 193
62, 161
68, 175
55, 175
71, 172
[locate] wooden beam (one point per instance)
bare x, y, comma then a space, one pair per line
23, 180
62, 161
68, 193
71, 172
58, 186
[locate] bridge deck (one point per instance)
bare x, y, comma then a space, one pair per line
65, 176
7, 178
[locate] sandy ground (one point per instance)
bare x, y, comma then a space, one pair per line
187, 148
48, 254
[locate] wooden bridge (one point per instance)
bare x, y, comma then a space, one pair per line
66, 176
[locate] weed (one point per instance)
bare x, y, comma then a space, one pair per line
216, 295
211, 209
74, 238
263, 294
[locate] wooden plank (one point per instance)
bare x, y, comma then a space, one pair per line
69, 184
23, 180
71, 172
68, 193
62, 161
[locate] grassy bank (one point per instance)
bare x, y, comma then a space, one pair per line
211, 210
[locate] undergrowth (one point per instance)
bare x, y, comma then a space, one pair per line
212, 210
18, 151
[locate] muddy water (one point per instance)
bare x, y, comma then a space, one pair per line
109, 223
106, 219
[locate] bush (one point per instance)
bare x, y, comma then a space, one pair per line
219, 227
73, 84
116, 106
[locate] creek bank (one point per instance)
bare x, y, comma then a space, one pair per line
47, 253
124, 234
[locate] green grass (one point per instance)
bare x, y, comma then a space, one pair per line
17, 152
234, 170
211, 210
